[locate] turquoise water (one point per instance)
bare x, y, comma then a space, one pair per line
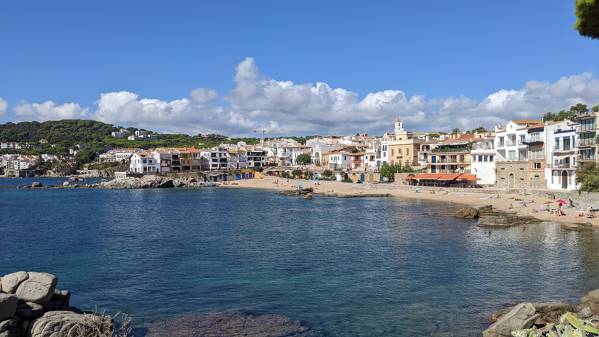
350, 267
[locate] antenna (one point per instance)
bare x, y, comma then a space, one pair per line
263, 131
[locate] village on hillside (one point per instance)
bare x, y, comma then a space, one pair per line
522, 154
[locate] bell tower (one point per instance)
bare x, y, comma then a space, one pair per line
398, 126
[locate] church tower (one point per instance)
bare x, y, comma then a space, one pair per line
398, 126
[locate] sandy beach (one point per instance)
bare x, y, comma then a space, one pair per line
522, 205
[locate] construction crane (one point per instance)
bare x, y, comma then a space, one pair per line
262, 131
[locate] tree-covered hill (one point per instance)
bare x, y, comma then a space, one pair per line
63, 132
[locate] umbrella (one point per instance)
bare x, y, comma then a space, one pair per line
560, 200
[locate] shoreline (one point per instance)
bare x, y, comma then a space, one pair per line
507, 203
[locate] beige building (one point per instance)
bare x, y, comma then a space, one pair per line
448, 156
401, 147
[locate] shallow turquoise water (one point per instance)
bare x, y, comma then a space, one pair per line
350, 267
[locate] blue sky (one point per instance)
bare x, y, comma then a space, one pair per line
461, 51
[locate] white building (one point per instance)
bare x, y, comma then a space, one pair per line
510, 142
561, 154
117, 155
10, 146
483, 161
218, 158
144, 162
142, 135
256, 158
122, 133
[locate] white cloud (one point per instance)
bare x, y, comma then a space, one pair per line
3, 106
285, 107
50, 111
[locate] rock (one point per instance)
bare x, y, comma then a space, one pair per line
585, 313
29, 310
8, 306
69, 324
59, 301
591, 300
10, 328
166, 183
521, 316
11, 282
36, 184
551, 311
467, 213
232, 325
38, 288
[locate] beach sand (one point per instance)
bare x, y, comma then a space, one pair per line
506, 202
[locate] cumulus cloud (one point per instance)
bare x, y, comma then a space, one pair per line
3, 106
50, 111
285, 107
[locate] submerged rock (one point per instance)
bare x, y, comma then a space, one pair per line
231, 325
488, 217
70, 324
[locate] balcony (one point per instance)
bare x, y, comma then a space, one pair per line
540, 156
533, 139
585, 142
586, 128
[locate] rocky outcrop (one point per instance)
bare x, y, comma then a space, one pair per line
31, 306
297, 192
152, 181
232, 325
37, 288
520, 317
467, 213
488, 217
548, 319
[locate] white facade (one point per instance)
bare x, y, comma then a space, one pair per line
483, 161
10, 146
144, 163
117, 155
218, 158
561, 154
510, 142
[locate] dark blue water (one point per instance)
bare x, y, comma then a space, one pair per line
351, 267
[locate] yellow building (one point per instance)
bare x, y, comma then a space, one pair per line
401, 147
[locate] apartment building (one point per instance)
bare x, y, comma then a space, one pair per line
561, 153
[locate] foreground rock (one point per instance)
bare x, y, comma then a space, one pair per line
520, 317
548, 319
231, 325
31, 306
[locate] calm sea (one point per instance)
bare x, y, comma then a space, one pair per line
349, 267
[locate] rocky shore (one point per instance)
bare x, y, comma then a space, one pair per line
548, 319
490, 217
153, 181
31, 306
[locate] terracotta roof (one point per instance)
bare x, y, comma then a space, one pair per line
527, 121
449, 176
444, 176
468, 177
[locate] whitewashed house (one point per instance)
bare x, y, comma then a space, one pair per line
483, 161
117, 155
218, 158
144, 162
561, 154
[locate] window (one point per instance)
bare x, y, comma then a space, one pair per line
491, 158
536, 166
556, 143
501, 141
522, 139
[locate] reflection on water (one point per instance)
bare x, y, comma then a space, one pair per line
350, 267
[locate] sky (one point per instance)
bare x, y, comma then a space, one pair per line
293, 67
